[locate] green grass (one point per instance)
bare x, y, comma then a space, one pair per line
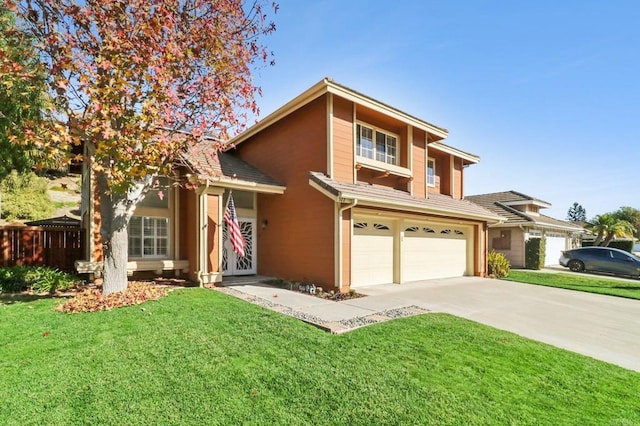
596, 284
63, 204
58, 188
201, 357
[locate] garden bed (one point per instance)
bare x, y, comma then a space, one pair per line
314, 290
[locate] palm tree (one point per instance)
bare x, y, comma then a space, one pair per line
607, 226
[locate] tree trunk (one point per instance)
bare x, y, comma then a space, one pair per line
115, 212
607, 240
599, 238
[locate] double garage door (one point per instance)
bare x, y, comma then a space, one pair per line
426, 251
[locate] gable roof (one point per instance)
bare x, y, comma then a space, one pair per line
225, 169
327, 85
367, 194
501, 203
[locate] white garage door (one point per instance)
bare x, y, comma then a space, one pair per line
554, 245
434, 252
372, 252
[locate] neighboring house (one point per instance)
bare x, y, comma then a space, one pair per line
522, 221
334, 188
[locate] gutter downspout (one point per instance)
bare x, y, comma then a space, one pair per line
202, 234
338, 250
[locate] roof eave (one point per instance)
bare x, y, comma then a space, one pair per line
369, 102
533, 224
470, 158
534, 202
346, 197
242, 185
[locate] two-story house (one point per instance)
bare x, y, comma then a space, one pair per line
334, 188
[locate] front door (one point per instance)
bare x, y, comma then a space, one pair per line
232, 264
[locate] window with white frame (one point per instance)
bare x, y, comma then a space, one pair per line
431, 171
148, 236
376, 144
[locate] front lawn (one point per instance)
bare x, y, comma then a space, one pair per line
595, 284
201, 357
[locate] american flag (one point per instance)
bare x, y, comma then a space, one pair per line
237, 240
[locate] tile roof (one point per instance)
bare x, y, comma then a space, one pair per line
205, 160
435, 204
495, 203
505, 196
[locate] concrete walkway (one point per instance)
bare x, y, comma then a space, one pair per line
602, 327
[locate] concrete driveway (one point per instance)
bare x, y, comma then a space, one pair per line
602, 327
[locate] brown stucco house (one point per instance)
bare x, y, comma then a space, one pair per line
522, 220
334, 188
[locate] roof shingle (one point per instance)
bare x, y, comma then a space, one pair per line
495, 203
209, 163
436, 203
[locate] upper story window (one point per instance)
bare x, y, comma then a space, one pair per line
431, 172
376, 144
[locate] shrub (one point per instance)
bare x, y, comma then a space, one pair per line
24, 196
626, 245
498, 264
92, 300
39, 279
534, 249
12, 280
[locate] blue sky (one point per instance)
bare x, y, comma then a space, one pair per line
547, 93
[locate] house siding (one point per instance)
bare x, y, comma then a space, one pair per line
346, 249
297, 242
457, 192
343, 144
419, 166
189, 230
515, 255
214, 227
443, 173
377, 178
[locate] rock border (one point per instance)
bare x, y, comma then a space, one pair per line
334, 327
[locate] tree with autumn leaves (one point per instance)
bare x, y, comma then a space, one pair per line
20, 101
127, 79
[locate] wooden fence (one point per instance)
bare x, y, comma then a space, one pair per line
57, 247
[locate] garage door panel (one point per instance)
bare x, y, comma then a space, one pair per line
554, 245
434, 252
372, 253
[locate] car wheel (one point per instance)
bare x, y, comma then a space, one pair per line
576, 266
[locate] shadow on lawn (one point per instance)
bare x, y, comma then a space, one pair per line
619, 287
27, 296
10, 299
